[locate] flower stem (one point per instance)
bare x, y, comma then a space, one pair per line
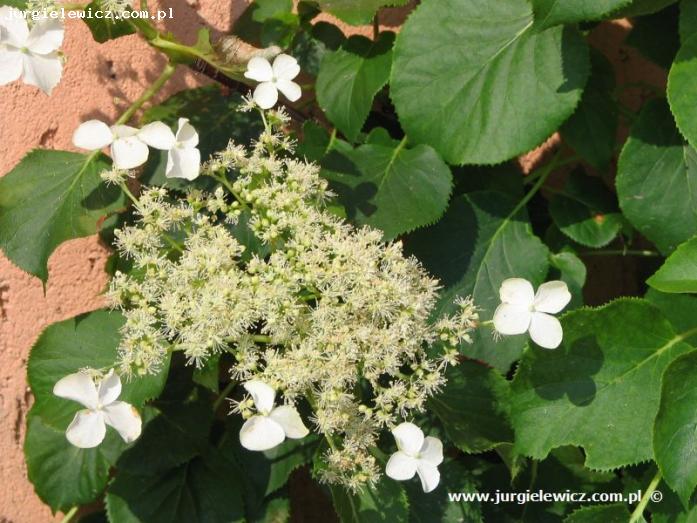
147, 94
223, 180
621, 252
557, 163
69, 515
223, 394
541, 175
174, 243
639, 510
128, 193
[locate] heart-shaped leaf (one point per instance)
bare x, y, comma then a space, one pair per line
657, 179
679, 272
600, 389
592, 129
549, 13
387, 185
51, 197
476, 81
682, 89
586, 211
350, 77
675, 440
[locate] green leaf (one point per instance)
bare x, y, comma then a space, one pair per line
205, 489
385, 503
208, 375
643, 7
679, 272
390, 187
357, 12
312, 45
549, 13
600, 389
217, 119
657, 179
616, 513
427, 508
276, 510
674, 439
483, 239
682, 89
268, 471
315, 142
505, 178
104, 29
671, 509
586, 211
572, 271
64, 475
265, 9
680, 309
592, 129
350, 77
688, 19
484, 423
511, 89
88, 340
656, 36
185, 426
51, 197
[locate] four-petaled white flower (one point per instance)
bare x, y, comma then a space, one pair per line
31, 55
416, 455
184, 159
274, 78
129, 146
271, 425
88, 427
522, 310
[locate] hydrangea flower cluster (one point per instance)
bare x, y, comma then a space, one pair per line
309, 306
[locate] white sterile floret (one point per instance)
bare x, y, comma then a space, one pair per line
271, 425
88, 427
30, 55
416, 455
129, 146
184, 159
522, 310
274, 78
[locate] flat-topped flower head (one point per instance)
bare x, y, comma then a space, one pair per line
274, 78
271, 425
129, 146
184, 159
416, 455
88, 428
523, 310
30, 54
